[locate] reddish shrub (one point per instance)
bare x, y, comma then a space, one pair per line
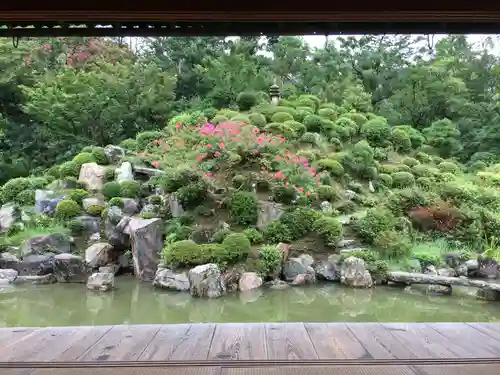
442, 217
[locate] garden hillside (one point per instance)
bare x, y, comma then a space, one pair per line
358, 174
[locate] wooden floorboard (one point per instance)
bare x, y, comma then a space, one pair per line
255, 341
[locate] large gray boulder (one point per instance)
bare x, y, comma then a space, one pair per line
48, 243
146, 238
249, 281
9, 214
46, 201
101, 281
69, 268
299, 271
206, 281
355, 274
268, 212
124, 172
114, 153
8, 276
99, 254
167, 279
93, 175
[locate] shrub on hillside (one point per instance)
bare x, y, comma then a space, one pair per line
254, 236
13, 187
78, 195
257, 119
281, 117
218, 119
376, 221
129, 144
69, 169
246, 100
84, 158
270, 258
410, 162
400, 140
95, 210
313, 123
100, 156
423, 157
327, 193
448, 166
358, 118
116, 201
391, 244
422, 170
300, 221
129, 189
241, 118
309, 138
385, 179
348, 124
237, 246
403, 179
111, 189
192, 194
26, 197
298, 128
376, 131
243, 208
67, 210
332, 166
328, 113
277, 128
176, 178
277, 232
328, 228
144, 139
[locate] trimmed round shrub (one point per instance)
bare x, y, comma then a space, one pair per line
376, 131
84, 158
254, 236
144, 139
327, 193
358, 118
192, 194
402, 168
69, 169
129, 144
209, 112
237, 245
400, 140
328, 113
313, 123
246, 100
333, 166
111, 189
377, 220
129, 189
95, 209
348, 125
176, 178
300, 221
337, 143
425, 182
239, 181
153, 199
13, 187
384, 179
302, 112
78, 195
76, 227
241, 118
67, 210
328, 228
220, 234
403, 179
392, 245
257, 119
309, 138
54, 171
448, 166
281, 117
277, 128
227, 112
243, 208
26, 197
284, 194
219, 119
277, 232
184, 253
270, 258
40, 182
87, 149
298, 128
410, 162
118, 202
100, 156
422, 170
423, 157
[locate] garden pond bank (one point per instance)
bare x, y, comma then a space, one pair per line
133, 302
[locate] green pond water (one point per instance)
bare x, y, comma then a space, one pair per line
138, 303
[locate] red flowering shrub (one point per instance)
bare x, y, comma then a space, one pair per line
442, 217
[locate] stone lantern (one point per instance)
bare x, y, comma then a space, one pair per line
274, 93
